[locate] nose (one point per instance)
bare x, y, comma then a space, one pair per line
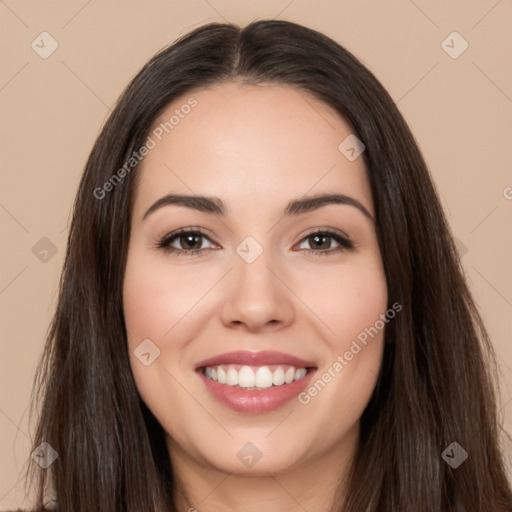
257, 296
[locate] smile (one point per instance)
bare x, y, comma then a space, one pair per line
255, 382
254, 377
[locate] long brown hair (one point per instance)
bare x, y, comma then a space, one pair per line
437, 383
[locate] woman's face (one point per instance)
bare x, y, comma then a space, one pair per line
274, 277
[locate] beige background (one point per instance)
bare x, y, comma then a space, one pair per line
51, 109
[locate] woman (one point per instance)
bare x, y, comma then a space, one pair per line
203, 358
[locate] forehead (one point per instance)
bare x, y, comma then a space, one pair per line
249, 143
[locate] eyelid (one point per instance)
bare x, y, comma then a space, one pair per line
344, 243
166, 234
324, 229
164, 239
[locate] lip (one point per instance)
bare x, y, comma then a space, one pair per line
256, 402
262, 358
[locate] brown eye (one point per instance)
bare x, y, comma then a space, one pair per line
189, 242
321, 242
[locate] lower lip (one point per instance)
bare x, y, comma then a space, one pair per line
246, 401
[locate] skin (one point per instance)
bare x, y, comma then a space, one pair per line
256, 148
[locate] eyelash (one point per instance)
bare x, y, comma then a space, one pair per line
344, 242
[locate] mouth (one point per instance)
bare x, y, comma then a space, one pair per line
255, 382
254, 378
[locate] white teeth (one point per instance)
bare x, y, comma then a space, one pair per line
261, 377
300, 373
221, 375
246, 377
232, 377
289, 375
278, 377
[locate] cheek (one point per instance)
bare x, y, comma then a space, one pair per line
151, 309
155, 299
154, 303
348, 299
352, 303
163, 304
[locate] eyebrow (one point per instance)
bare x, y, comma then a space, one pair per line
215, 205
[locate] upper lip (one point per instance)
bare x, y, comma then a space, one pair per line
263, 358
